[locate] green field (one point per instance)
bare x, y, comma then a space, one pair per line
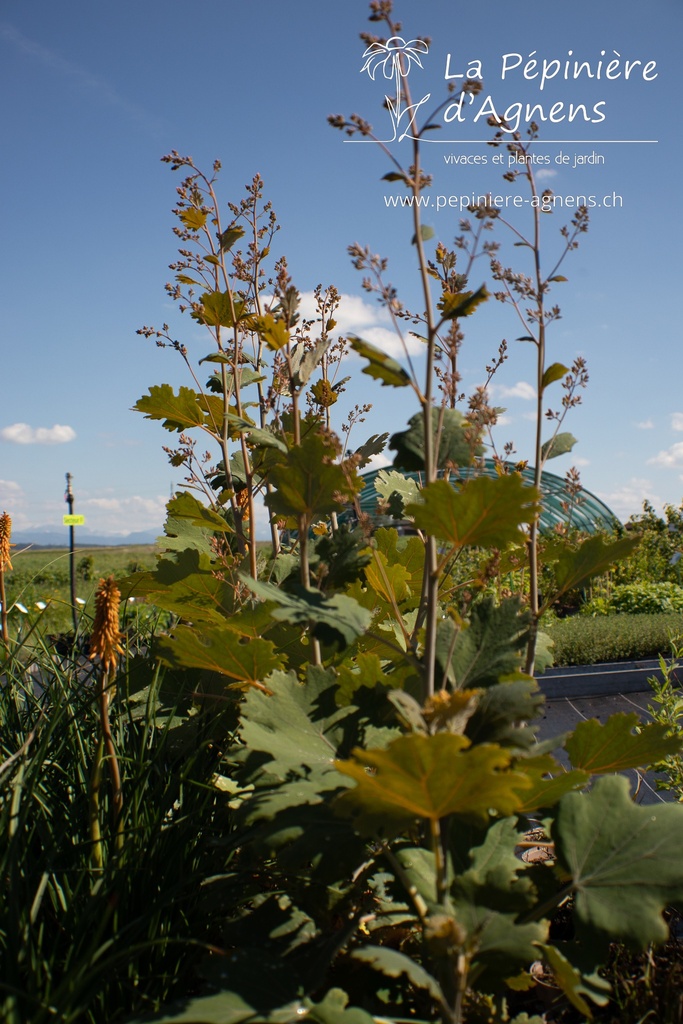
41, 576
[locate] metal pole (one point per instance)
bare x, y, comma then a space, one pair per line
69, 498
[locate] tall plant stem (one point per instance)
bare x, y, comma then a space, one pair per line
461, 975
96, 857
3, 611
453, 966
430, 595
248, 544
440, 866
274, 533
431, 572
538, 453
112, 759
305, 570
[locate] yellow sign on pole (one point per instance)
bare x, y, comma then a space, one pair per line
73, 520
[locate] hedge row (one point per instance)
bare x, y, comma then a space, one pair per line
585, 641
632, 598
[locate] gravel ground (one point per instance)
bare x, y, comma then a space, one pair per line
563, 714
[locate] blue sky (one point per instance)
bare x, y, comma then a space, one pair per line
94, 94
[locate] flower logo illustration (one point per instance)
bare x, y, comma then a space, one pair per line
395, 58
388, 56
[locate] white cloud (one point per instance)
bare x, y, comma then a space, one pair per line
677, 420
353, 310
122, 515
504, 421
627, 500
10, 493
647, 425
544, 173
128, 506
106, 504
366, 319
519, 390
22, 433
13, 501
380, 461
390, 343
580, 462
672, 456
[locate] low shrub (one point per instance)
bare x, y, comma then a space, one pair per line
584, 641
637, 598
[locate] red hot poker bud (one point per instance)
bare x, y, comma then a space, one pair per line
106, 635
5, 535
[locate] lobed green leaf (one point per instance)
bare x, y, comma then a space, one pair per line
453, 305
624, 860
177, 411
220, 649
380, 365
484, 511
572, 567
614, 746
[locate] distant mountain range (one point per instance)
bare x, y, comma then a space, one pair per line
52, 538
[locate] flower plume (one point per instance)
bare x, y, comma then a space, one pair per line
5, 535
106, 635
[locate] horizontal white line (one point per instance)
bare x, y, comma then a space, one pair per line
535, 142
549, 142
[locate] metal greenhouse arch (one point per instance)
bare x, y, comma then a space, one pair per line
589, 513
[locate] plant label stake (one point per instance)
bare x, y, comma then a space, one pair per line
70, 521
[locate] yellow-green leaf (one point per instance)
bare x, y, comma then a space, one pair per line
428, 777
426, 232
186, 506
553, 373
405, 551
274, 332
192, 218
457, 304
184, 279
220, 309
381, 366
388, 579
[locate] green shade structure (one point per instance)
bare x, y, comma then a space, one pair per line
588, 514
